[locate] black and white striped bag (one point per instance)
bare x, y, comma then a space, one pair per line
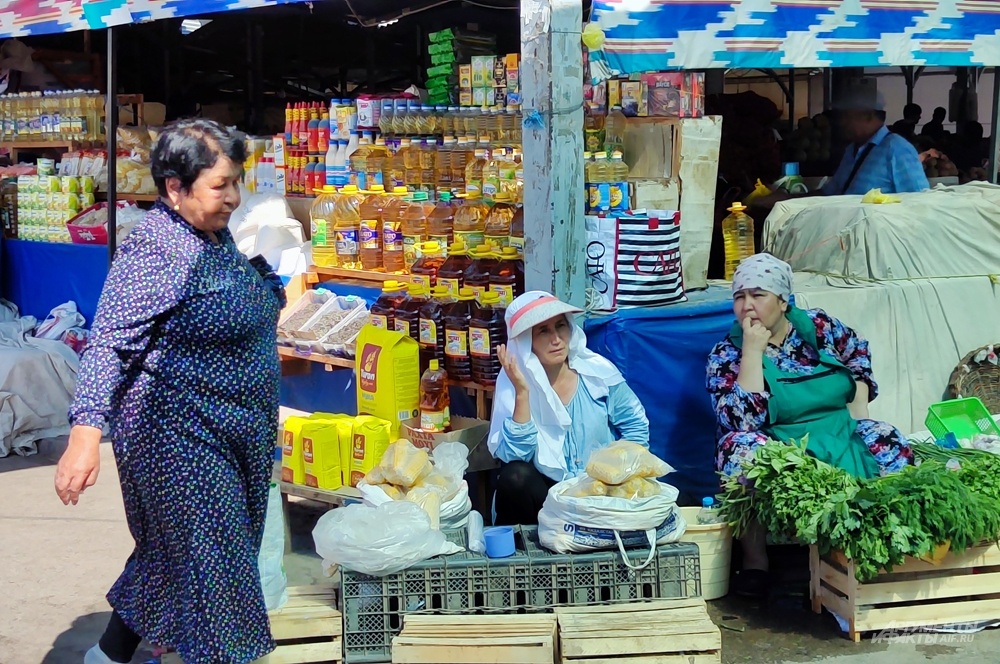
649, 259
634, 260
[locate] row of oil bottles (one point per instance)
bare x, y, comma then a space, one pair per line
452, 165
461, 331
389, 231
52, 115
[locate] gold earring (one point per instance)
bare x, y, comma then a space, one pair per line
177, 208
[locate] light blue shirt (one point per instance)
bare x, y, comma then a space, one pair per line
892, 166
595, 424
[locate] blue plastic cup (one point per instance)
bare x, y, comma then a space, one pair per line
499, 541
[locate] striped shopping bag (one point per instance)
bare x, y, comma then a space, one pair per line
648, 259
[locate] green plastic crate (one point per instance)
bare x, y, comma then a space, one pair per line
963, 417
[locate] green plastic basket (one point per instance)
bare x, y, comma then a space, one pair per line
963, 417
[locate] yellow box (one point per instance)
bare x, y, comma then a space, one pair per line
482, 70
278, 146
388, 376
465, 98
370, 439
293, 467
345, 428
465, 76
614, 92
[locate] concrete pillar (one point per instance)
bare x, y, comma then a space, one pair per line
552, 86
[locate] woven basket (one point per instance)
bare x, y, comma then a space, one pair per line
978, 375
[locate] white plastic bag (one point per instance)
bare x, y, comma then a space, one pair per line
271, 561
575, 525
60, 319
378, 540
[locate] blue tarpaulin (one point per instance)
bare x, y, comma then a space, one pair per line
654, 35
663, 353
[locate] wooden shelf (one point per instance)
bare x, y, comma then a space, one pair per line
469, 385
135, 198
42, 145
329, 360
336, 497
359, 275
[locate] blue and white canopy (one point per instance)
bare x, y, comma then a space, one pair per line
653, 35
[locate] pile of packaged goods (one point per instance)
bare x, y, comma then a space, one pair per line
329, 451
621, 470
322, 322
52, 116
46, 202
448, 50
135, 146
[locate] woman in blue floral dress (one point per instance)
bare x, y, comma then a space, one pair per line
183, 371
787, 374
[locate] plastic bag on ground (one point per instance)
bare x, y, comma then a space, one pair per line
378, 540
271, 560
622, 460
567, 524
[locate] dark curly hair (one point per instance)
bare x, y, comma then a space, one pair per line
187, 147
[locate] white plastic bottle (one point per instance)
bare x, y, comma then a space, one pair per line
709, 512
331, 160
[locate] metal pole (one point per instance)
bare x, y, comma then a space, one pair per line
111, 132
994, 134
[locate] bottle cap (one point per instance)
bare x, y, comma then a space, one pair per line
466, 294
376, 189
510, 253
707, 501
417, 289
392, 286
419, 196
327, 189
433, 366
490, 298
349, 189
440, 291
400, 191
737, 207
430, 247
445, 196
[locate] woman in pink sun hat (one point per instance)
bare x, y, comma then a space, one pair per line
556, 402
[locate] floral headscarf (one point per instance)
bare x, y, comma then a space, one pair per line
765, 272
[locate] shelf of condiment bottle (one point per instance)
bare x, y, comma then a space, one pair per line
360, 275
329, 360
41, 145
136, 198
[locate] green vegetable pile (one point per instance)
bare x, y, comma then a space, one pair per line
876, 523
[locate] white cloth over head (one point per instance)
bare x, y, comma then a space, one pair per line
547, 411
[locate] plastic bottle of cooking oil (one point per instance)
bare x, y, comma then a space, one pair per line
427, 173
470, 221
398, 164
474, 172
737, 237
414, 226
459, 160
491, 175
442, 165
392, 230
411, 163
497, 231
347, 226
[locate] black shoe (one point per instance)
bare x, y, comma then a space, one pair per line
752, 583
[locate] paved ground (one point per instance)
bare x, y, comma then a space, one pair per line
57, 563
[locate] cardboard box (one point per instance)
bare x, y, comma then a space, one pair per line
631, 98
281, 181
499, 72
482, 70
614, 92
466, 430
388, 376
665, 95
465, 98
484, 97
465, 77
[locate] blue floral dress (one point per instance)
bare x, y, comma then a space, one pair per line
743, 414
184, 370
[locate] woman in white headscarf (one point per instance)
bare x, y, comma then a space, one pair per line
783, 374
556, 401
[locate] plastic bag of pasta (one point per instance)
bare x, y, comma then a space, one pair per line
622, 460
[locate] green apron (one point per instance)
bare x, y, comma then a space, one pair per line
815, 405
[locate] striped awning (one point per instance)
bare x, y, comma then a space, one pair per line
21, 18
653, 35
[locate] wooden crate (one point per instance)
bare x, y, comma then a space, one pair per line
961, 588
472, 639
674, 631
307, 629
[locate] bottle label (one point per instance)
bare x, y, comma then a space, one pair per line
479, 341
471, 239
489, 190
473, 187
402, 326
517, 243
347, 243
369, 234
500, 241
456, 343
422, 280
428, 332
451, 284
435, 420
618, 193
505, 291
479, 290
319, 238
381, 322
410, 243
392, 239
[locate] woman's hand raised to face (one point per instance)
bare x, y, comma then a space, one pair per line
755, 336
510, 366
